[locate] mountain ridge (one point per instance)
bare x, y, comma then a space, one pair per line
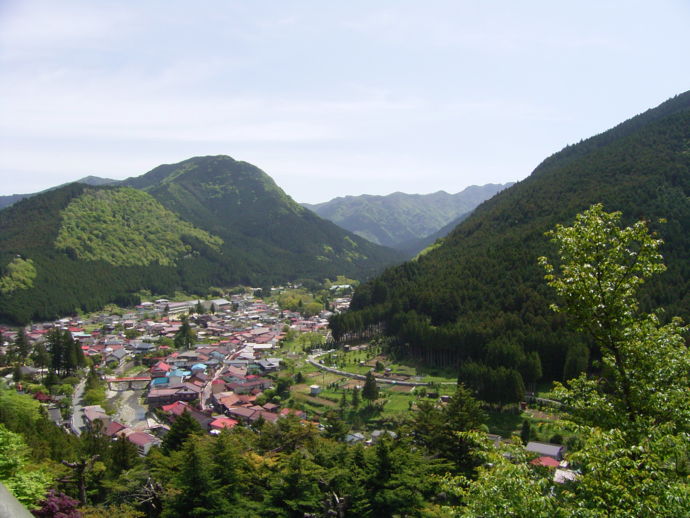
479, 297
399, 220
206, 221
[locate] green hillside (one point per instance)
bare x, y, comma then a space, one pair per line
261, 225
209, 221
479, 300
126, 227
403, 221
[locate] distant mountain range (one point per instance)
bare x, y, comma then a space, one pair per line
207, 221
402, 221
480, 300
6, 201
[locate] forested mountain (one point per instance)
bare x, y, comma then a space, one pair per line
6, 201
479, 300
207, 221
398, 220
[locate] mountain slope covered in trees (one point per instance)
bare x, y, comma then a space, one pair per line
479, 300
207, 221
398, 220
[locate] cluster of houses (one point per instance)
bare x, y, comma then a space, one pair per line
95, 417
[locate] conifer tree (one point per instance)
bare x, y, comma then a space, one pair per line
370, 391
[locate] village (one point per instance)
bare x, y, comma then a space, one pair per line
220, 377
220, 361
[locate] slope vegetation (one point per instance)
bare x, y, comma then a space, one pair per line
478, 299
209, 221
399, 220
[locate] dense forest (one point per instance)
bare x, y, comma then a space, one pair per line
478, 299
632, 423
209, 221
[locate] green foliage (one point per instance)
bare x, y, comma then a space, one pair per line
18, 275
28, 484
633, 417
482, 287
208, 221
183, 427
370, 390
126, 227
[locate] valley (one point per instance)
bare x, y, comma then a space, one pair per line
520, 356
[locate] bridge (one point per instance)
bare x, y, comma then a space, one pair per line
131, 383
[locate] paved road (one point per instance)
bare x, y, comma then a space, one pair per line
312, 359
77, 423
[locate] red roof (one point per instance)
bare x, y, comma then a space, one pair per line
549, 462
161, 366
141, 438
223, 422
42, 397
177, 408
113, 428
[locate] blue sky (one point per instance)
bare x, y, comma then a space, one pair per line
329, 98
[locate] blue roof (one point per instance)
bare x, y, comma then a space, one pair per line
179, 372
198, 366
159, 381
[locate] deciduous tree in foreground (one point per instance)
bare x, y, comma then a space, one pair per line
633, 415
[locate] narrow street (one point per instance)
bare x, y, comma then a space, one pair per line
77, 422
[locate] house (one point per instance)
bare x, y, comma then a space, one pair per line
548, 462
543, 449
269, 364
222, 423
113, 429
163, 396
55, 415
95, 413
248, 386
241, 413
314, 390
115, 357
160, 369
143, 441
28, 372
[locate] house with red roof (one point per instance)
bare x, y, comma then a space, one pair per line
222, 423
143, 441
160, 369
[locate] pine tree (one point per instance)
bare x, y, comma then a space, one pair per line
355, 398
370, 391
184, 426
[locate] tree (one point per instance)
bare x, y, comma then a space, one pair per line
355, 398
334, 426
22, 348
28, 484
633, 414
525, 431
370, 391
57, 504
184, 338
184, 426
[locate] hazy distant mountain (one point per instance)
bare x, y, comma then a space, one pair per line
207, 221
398, 219
6, 201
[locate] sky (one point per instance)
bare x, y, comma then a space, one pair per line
329, 98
